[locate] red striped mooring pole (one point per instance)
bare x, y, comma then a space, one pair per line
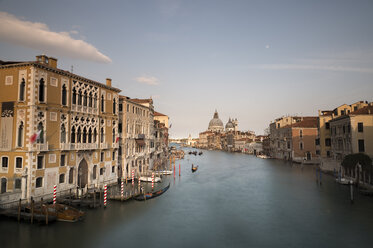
133, 177
105, 194
121, 189
54, 194
152, 180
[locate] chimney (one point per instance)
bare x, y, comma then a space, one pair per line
52, 62
108, 82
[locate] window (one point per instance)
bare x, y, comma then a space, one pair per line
355, 108
17, 183
327, 125
114, 106
102, 135
41, 135
62, 178
18, 162
288, 144
120, 107
301, 133
63, 160
328, 154
4, 162
112, 169
301, 145
94, 171
63, 133
64, 95
113, 135
39, 182
317, 152
128, 108
360, 127
73, 135
41, 90
80, 95
71, 176
85, 100
102, 103
101, 171
361, 145
3, 185
327, 142
20, 135
102, 157
22, 87
40, 163
278, 125
74, 96
90, 100
120, 127
342, 112
317, 142
79, 136
113, 155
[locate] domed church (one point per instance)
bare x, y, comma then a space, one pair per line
216, 125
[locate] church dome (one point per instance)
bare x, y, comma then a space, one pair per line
216, 125
229, 126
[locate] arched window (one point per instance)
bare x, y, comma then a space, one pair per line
63, 133
79, 135
74, 96
90, 100
71, 176
114, 106
95, 101
22, 87
94, 172
41, 90
84, 135
41, 136
64, 95
20, 134
73, 135
102, 135
102, 103
85, 100
95, 136
3, 185
90, 136
62, 178
80, 98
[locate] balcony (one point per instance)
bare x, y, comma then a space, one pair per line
78, 146
40, 147
115, 145
104, 146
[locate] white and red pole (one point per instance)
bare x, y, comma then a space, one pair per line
54, 194
121, 189
152, 180
105, 194
133, 177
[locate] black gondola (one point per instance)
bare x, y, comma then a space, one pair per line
194, 169
151, 195
200, 153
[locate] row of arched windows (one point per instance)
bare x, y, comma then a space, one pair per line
84, 99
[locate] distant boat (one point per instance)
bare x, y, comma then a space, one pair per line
165, 172
200, 153
194, 169
262, 156
151, 195
343, 181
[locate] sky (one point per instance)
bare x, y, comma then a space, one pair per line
250, 60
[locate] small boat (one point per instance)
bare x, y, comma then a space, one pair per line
343, 181
194, 169
200, 153
165, 172
151, 195
262, 156
61, 212
149, 179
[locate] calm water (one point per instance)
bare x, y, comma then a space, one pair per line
233, 200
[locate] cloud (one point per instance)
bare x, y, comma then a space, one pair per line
311, 67
147, 80
38, 36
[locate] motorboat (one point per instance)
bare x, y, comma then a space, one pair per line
149, 179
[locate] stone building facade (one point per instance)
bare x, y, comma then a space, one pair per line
74, 121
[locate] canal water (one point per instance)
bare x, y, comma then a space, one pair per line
233, 200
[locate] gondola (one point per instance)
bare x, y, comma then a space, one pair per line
151, 195
194, 169
200, 153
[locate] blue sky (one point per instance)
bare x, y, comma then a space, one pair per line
251, 60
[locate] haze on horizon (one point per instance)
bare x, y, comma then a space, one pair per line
250, 60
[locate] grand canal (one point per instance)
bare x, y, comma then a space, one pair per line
233, 200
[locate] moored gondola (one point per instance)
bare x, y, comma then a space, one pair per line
151, 195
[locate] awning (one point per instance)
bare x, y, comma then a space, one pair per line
140, 142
